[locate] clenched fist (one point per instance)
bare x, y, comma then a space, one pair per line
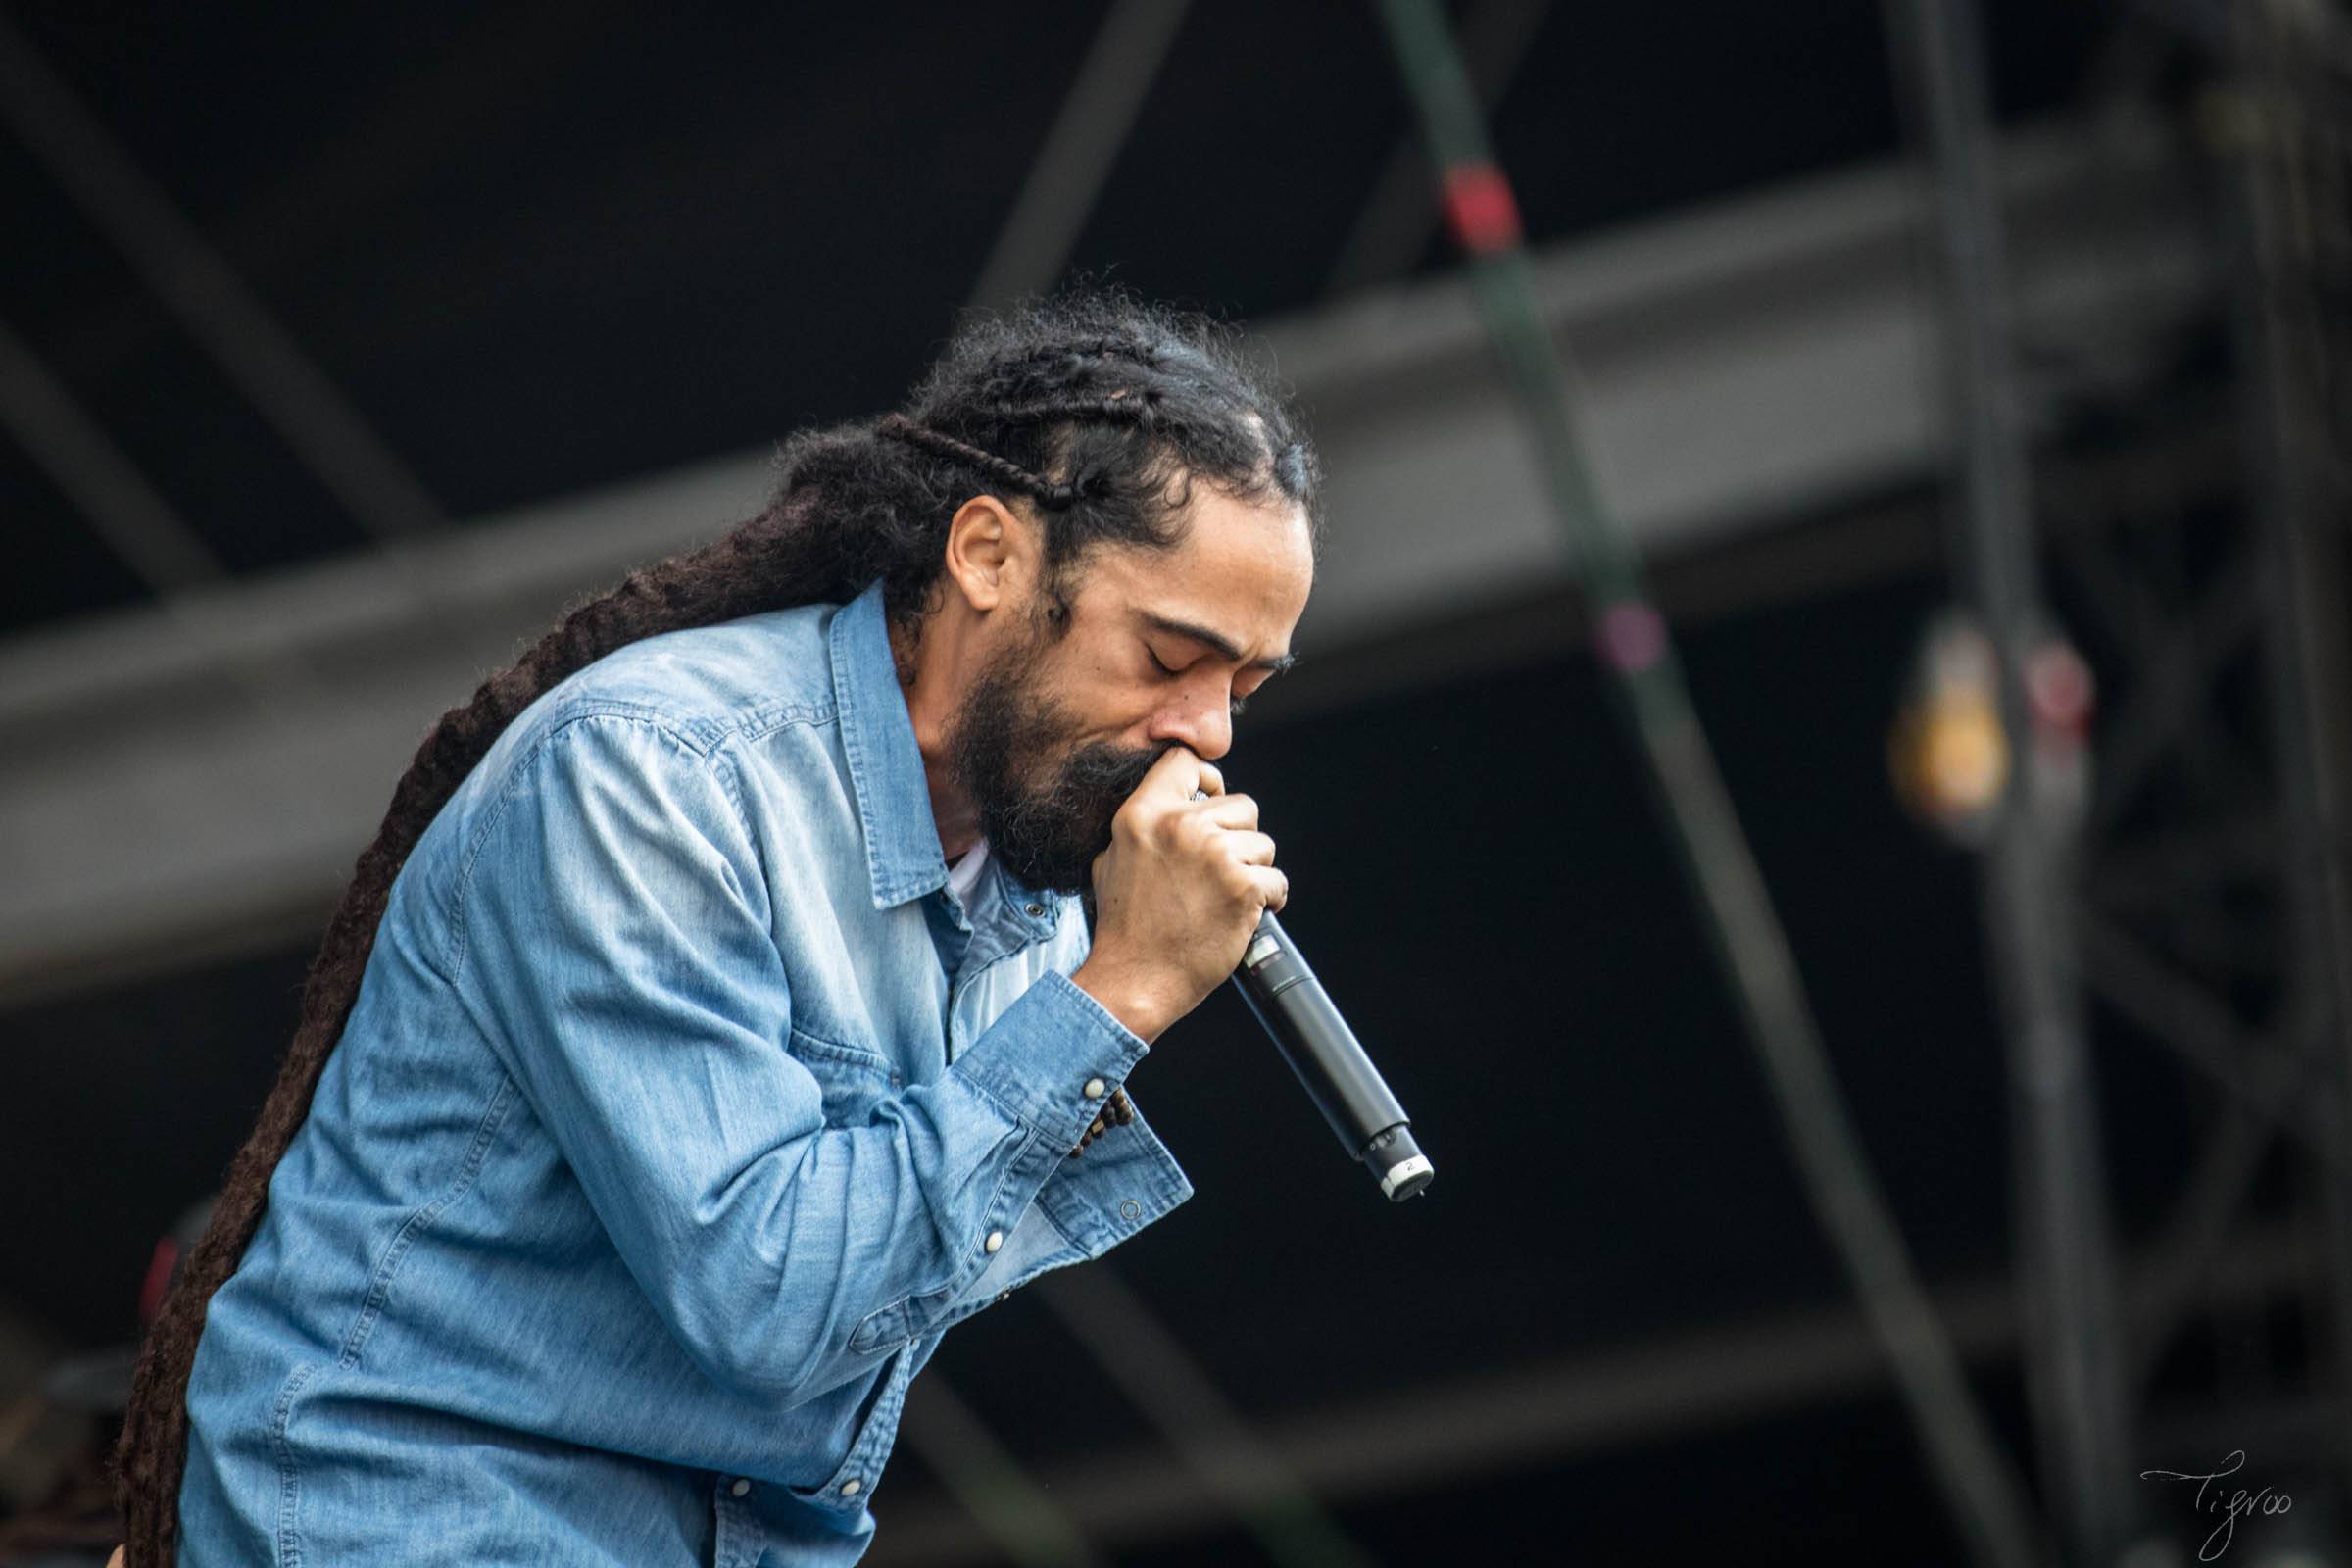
1176, 895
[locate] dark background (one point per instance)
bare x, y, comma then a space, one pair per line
549, 246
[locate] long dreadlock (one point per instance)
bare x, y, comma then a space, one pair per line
1098, 409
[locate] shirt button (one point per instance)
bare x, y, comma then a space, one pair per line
851, 1488
1037, 909
995, 1239
1093, 1088
740, 1487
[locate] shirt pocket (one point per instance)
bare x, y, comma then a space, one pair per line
852, 1079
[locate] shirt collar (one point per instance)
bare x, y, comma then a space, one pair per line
886, 770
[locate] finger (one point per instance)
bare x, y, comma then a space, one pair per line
1251, 849
1273, 888
1229, 811
1176, 776
1211, 785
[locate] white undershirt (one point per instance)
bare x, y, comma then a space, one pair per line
964, 874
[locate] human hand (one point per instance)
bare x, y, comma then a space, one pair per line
1177, 893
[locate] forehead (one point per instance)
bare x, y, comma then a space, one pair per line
1243, 571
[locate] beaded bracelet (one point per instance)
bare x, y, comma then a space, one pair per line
1118, 1113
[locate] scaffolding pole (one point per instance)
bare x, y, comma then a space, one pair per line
2072, 1340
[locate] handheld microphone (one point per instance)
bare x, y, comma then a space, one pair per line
1322, 1051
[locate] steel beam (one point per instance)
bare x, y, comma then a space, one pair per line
1746, 365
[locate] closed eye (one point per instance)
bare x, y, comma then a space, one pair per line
1233, 706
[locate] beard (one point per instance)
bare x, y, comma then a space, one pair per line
1044, 805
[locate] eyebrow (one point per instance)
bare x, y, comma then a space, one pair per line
1273, 664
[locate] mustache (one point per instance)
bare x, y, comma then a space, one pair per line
1087, 790
1050, 835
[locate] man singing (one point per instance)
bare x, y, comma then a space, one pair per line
713, 1022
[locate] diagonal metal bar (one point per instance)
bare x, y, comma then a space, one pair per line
2209, 856
1016, 1513
2226, 1165
289, 389
2213, 941
1400, 218
493, 73
1251, 1475
142, 528
157, 545
2191, 1241
2137, 623
2200, 1030
2172, 691
138, 525
1653, 700
1076, 158
2122, 606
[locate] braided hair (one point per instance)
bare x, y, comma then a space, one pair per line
1098, 409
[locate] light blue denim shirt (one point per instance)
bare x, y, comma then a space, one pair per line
682, 1109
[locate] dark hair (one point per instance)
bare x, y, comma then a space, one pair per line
1100, 409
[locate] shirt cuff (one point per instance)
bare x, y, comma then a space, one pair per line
1046, 1051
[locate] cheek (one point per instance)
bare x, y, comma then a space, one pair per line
1107, 705
1139, 718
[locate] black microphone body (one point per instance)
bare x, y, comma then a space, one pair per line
1287, 998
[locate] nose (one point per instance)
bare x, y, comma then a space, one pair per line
1199, 720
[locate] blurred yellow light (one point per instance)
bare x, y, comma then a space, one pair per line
1964, 759
1950, 759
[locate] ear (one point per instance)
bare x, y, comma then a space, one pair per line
992, 553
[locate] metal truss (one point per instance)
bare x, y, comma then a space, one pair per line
2213, 915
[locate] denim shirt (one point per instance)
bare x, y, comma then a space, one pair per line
682, 1109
